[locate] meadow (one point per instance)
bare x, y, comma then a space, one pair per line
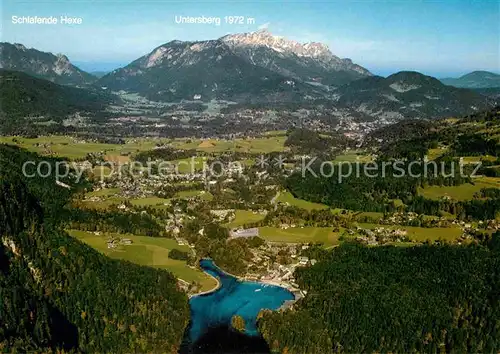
111, 196
287, 197
150, 201
190, 165
422, 234
242, 217
324, 235
353, 156
147, 251
252, 145
73, 148
462, 192
194, 193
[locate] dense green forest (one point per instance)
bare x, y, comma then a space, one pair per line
394, 299
380, 187
23, 96
304, 141
230, 255
113, 220
366, 193
471, 135
57, 293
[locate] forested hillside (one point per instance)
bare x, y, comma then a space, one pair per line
304, 141
483, 126
23, 96
382, 187
58, 293
393, 299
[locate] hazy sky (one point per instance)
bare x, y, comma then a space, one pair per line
440, 38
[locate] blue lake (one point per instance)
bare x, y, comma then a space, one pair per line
233, 297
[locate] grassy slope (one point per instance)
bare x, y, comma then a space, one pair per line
287, 197
462, 192
258, 145
148, 251
300, 235
422, 234
68, 147
243, 217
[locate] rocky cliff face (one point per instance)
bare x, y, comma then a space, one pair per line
305, 61
56, 68
210, 69
253, 67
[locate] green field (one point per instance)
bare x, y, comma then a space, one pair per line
475, 159
109, 196
247, 162
189, 165
256, 146
433, 154
287, 197
275, 133
112, 196
134, 145
242, 217
422, 234
194, 193
150, 201
148, 251
63, 146
324, 235
105, 192
105, 203
371, 214
462, 192
489, 182
353, 156
72, 148
101, 172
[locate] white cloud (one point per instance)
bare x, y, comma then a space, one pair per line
264, 26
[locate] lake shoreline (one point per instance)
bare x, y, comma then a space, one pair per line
234, 295
217, 287
242, 279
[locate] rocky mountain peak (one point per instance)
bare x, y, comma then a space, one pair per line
62, 65
45, 65
20, 46
264, 38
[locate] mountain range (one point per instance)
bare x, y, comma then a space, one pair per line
475, 80
181, 70
55, 68
259, 67
408, 94
244, 67
308, 62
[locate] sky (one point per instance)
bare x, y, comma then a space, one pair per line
439, 38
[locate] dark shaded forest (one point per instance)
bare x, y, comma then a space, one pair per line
59, 294
24, 96
394, 299
378, 193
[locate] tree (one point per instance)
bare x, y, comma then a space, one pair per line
238, 323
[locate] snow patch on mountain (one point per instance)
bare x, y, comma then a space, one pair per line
403, 87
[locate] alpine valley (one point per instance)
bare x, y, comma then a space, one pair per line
244, 195
282, 82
